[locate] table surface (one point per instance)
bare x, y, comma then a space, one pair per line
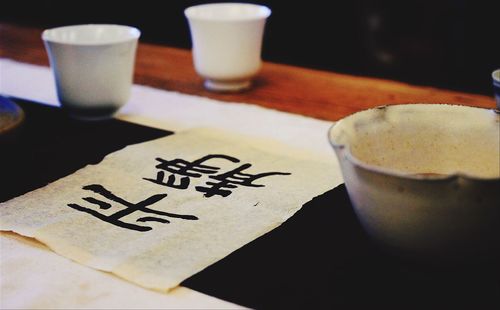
356, 266
320, 94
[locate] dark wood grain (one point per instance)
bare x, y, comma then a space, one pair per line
320, 94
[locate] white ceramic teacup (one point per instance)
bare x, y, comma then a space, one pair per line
227, 43
93, 66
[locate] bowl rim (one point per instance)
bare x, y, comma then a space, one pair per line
398, 173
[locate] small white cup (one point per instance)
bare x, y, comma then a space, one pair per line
93, 66
227, 43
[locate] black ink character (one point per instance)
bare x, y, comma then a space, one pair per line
130, 208
185, 169
232, 179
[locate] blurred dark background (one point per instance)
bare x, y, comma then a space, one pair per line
443, 43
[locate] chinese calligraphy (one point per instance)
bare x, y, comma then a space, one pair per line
185, 169
231, 179
130, 208
195, 169
181, 172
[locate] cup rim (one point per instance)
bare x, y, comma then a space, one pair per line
198, 12
496, 75
130, 33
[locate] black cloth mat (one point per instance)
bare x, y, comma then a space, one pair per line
322, 259
48, 146
318, 259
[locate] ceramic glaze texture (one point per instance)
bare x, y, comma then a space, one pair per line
496, 86
227, 43
424, 178
93, 67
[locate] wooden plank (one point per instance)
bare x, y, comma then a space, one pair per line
320, 94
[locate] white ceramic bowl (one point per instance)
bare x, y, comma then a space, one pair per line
424, 179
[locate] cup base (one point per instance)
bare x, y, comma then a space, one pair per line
227, 86
90, 114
